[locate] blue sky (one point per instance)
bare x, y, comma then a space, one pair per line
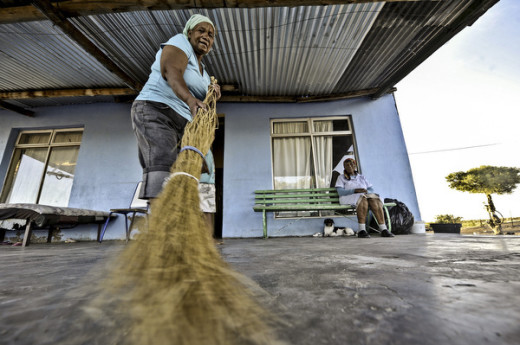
460, 109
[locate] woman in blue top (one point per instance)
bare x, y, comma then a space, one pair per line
354, 189
175, 89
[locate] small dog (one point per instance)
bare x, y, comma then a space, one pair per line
329, 230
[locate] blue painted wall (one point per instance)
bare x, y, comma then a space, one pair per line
247, 159
107, 170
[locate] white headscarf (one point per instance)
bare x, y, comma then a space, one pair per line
194, 21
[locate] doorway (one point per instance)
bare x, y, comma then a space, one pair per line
218, 155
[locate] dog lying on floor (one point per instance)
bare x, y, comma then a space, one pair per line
329, 230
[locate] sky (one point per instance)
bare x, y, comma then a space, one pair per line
460, 109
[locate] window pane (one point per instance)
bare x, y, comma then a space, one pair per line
59, 176
290, 127
307, 160
323, 151
25, 175
342, 146
292, 163
34, 138
68, 137
331, 126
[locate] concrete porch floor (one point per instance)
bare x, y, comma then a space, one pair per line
414, 289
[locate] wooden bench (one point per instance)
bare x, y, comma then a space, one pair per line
51, 217
311, 199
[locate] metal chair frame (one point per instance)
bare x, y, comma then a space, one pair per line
126, 211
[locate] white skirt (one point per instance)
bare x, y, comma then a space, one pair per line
207, 198
353, 199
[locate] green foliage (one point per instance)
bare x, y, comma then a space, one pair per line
485, 179
447, 219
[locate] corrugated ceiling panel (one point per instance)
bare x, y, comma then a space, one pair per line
265, 51
396, 37
37, 55
130, 39
288, 51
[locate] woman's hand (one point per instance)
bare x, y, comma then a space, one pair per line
216, 87
360, 190
194, 105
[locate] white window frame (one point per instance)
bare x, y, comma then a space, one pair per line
311, 134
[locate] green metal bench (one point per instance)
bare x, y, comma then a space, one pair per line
311, 199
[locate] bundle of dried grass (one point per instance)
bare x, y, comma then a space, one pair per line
174, 284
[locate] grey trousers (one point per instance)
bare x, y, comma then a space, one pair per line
159, 131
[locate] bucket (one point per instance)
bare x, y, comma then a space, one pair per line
418, 228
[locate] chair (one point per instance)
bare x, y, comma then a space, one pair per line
136, 206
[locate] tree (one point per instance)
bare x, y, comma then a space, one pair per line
487, 180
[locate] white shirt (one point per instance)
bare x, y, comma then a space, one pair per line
355, 182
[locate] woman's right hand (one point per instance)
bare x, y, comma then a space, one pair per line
216, 87
360, 190
194, 105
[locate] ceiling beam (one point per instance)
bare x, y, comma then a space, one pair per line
229, 94
73, 8
333, 97
16, 109
298, 99
66, 93
58, 19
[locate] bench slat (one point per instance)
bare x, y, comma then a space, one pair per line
298, 201
297, 195
294, 190
308, 207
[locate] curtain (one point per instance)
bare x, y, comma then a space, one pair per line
323, 152
68, 137
292, 157
35, 138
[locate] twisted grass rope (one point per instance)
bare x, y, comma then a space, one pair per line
171, 282
193, 149
183, 173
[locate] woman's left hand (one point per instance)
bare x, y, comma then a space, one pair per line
216, 87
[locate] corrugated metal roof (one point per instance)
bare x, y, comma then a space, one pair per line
401, 32
266, 52
295, 51
38, 55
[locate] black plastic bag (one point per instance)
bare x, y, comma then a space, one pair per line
400, 217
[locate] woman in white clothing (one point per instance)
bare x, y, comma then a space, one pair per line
354, 189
